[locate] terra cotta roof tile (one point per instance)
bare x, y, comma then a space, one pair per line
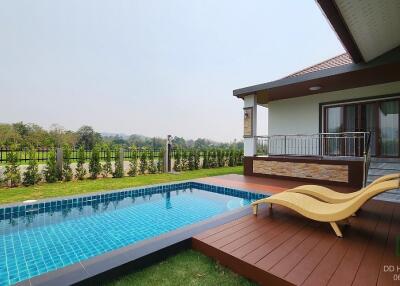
340, 60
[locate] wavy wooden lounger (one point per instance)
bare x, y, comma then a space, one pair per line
327, 195
326, 212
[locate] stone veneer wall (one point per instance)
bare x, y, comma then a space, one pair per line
336, 173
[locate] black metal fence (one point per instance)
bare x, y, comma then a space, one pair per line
23, 155
42, 154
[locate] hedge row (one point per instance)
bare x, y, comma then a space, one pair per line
140, 163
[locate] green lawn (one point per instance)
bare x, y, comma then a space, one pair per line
186, 268
9, 195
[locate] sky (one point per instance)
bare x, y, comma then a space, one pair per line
151, 67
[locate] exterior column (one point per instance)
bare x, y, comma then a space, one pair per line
250, 125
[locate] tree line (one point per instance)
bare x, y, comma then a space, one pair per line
26, 135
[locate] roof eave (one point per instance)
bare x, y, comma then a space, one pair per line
390, 57
293, 80
338, 24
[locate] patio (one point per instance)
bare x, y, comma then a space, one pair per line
286, 249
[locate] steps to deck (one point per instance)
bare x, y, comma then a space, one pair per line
380, 167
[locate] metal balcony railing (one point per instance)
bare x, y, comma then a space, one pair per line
343, 144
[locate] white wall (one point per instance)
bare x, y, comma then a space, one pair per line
301, 115
262, 120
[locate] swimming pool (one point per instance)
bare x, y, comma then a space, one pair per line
49, 235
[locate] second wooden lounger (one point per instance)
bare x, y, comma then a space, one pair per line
330, 196
326, 212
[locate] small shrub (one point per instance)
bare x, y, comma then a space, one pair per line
178, 162
191, 159
196, 159
144, 164
215, 159
212, 159
231, 158
152, 165
119, 164
67, 170
220, 158
234, 155
51, 172
206, 163
185, 160
133, 163
240, 158
107, 166
31, 175
12, 175
94, 164
160, 161
80, 171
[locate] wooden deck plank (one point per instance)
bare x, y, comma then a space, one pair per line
222, 227
389, 257
259, 241
239, 266
327, 267
263, 250
262, 220
358, 241
231, 230
280, 252
301, 271
292, 259
368, 271
237, 235
259, 233
324, 270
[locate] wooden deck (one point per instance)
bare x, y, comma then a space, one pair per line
269, 186
282, 248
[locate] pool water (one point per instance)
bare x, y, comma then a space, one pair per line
39, 238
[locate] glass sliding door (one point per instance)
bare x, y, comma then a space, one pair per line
371, 125
389, 128
350, 125
334, 124
341, 119
380, 118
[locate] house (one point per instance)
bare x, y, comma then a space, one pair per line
326, 121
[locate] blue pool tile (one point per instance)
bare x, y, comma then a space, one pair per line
46, 236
